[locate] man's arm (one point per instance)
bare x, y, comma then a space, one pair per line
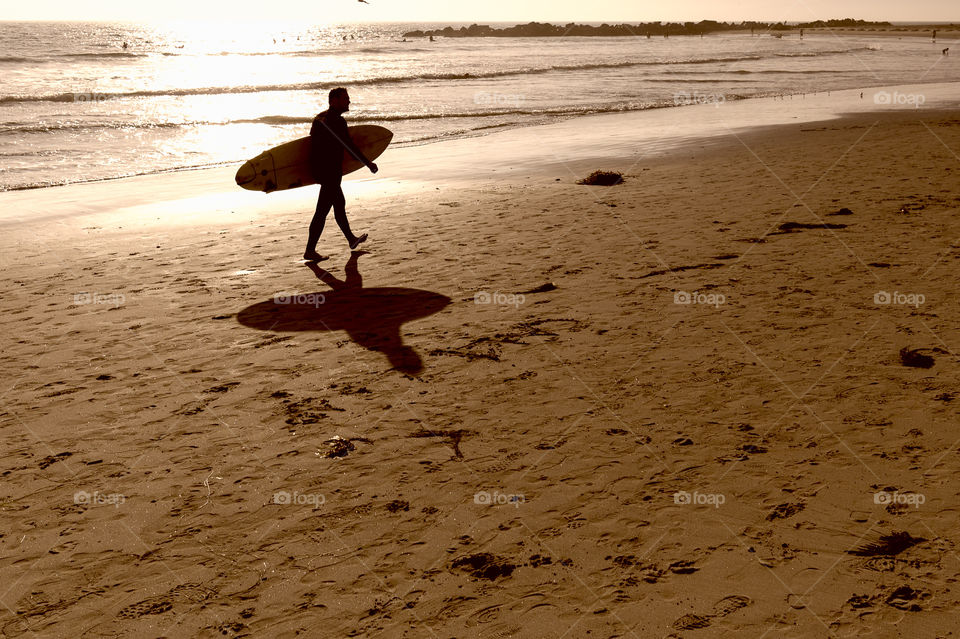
351, 147
322, 129
353, 150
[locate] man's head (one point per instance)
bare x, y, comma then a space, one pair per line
339, 100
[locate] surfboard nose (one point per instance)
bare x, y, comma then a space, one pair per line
246, 174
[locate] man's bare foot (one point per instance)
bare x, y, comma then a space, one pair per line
357, 241
313, 256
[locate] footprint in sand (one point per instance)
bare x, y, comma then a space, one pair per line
902, 597
397, 505
722, 608
484, 615
783, 511
184, 593
506, 462
228, 628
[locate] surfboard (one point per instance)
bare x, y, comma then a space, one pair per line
288, 166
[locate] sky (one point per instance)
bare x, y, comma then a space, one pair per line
321, 11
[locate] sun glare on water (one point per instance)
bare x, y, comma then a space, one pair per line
208, 37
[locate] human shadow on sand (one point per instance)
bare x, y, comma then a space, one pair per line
372, 317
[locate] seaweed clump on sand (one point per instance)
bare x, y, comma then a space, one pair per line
602, 178
915, 359
887, 546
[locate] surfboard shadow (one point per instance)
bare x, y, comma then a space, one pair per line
371, 317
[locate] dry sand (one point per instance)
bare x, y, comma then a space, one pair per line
183, 457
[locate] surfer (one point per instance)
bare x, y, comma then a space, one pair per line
330, 138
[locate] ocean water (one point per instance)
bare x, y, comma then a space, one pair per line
75, 105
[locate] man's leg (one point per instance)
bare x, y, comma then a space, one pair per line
340, 214
324, 201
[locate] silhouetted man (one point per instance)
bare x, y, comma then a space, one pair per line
330, 138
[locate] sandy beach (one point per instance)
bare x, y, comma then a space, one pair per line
713, 401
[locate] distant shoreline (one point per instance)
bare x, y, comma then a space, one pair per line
704, 27
943, 31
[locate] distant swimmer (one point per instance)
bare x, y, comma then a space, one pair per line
330, 138
431, 38
125, 45
946, 51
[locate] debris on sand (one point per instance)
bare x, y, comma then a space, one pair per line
887, 546
543, 288
484, 565
915, 358
843, 211
602, 178
790, 227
